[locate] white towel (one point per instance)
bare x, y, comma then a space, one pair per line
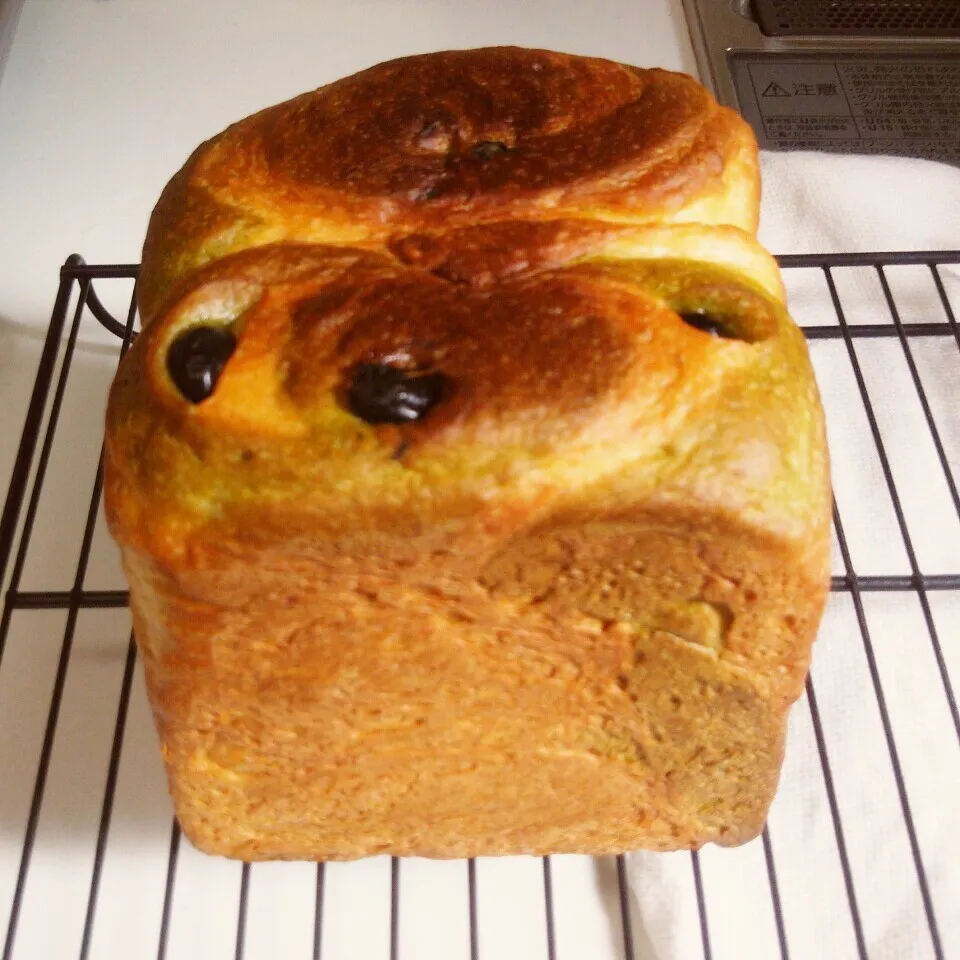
825, 203
817, 203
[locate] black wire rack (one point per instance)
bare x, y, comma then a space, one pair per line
556, 905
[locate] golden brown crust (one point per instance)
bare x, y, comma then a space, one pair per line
393, 150
566, 610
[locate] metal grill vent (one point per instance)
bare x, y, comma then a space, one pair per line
859, 18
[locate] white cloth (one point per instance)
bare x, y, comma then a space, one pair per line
830, 203
817, 203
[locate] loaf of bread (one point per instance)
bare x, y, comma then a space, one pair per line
469, 473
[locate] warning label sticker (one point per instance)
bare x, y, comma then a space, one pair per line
773, 89
904, 105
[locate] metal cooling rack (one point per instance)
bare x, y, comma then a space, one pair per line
91, 865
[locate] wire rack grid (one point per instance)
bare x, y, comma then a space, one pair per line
92, 864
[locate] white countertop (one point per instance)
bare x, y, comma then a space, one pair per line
102, 101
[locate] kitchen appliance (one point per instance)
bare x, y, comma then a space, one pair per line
851, 76
9, 14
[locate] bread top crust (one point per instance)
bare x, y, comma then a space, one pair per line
545, 284
574, 382
455, 139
